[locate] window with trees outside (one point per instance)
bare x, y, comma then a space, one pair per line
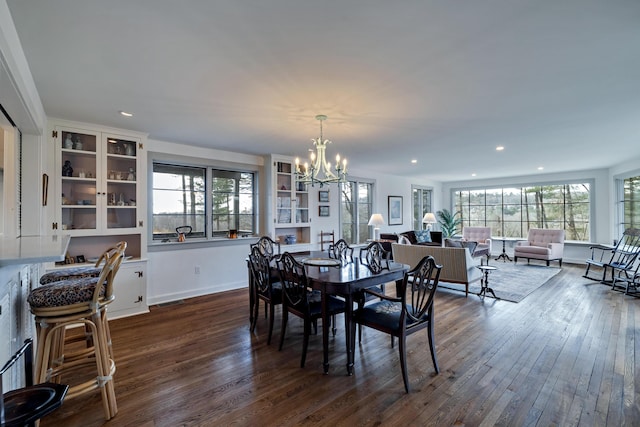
182, 197
630, 203
421, 205
356, 205
512, 211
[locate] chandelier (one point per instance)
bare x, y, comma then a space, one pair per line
318, 170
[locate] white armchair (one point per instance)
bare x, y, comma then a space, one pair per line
480, 235
543, 244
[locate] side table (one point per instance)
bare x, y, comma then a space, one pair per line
503, 255
484, 280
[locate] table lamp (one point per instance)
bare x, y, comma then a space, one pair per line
376, 220
429, 218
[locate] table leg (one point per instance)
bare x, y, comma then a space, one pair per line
325, 331
251, 294
349, 331
503, 255
484, 286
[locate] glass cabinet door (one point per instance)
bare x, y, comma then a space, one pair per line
120, 175
79, 181
284, 198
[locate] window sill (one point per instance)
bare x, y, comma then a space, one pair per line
194, 243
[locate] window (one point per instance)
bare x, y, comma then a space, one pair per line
421, 205
512, 211
233, 207
356, 207
181, 196
178, 199
630, 203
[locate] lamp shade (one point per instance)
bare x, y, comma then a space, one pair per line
376, 220
429, 218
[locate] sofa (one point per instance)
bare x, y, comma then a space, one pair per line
457, 264
435, 237
543, 244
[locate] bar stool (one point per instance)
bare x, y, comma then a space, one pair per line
76, 272
78, 302
71, 273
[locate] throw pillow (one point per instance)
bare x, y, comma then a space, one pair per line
451, 243
403, 240
423, 236
411, 236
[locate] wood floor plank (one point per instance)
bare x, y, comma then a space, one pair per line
565, 355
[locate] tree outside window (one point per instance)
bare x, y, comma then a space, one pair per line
512, 211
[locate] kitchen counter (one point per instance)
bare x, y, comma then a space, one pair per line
32, 249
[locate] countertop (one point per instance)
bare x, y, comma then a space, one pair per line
32, 249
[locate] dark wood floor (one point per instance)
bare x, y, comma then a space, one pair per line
565, 355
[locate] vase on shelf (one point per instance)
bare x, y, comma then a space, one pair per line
67, 170
68, 143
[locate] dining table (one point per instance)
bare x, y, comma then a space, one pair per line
345, 278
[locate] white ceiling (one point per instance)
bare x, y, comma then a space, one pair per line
443, 81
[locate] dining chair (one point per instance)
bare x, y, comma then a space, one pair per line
299, 300
341, 250
264, 288
375, 256
326, 238
406, 314
267, 246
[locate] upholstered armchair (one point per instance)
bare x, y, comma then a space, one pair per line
543, 244
480, 235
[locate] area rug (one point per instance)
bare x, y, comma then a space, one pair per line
513, 282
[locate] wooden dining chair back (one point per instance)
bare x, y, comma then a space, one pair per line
268, 247
614, 259
263, 287
327, 238
341, 250
299, 299
409, 312
375, 257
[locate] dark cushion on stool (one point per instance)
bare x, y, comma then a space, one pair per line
66, 292
70, 273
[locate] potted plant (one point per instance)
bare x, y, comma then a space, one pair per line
448, 222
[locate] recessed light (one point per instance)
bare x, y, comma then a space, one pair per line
499, 148
126, 114
473, 174
414, 161
540, 168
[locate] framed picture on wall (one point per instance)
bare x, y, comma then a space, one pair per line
323, 210
395, 210
323, 196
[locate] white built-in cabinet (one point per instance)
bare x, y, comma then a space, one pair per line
99, 196
290, 205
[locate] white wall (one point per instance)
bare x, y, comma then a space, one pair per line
390, 185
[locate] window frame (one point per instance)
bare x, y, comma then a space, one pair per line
420, 189
621, 200
356, 224
468, 220
210, 165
